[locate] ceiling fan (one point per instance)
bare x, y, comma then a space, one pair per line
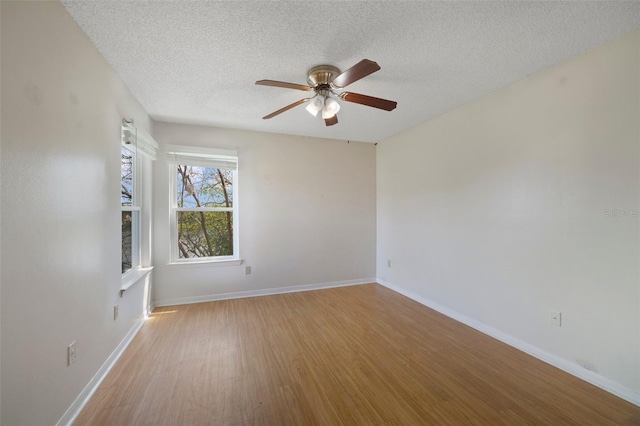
325, 80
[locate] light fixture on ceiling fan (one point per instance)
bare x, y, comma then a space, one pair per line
328, 106
325, 80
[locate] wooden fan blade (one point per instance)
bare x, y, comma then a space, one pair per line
355, 73
274, 83
369, 101
281, 110
331, 121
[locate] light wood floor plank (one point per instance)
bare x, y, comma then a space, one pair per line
360, 355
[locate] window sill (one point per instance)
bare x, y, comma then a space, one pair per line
203, 263
132, 277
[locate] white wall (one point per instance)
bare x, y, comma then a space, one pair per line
306, 209
62, 107
497, 211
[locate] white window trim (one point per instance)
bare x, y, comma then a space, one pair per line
200, 156
143, 141
206, 262
132, 277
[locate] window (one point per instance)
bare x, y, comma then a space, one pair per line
137, 151
204, 194
129, 198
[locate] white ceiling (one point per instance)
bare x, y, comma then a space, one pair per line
197, 61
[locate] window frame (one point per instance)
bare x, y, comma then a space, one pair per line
174, 259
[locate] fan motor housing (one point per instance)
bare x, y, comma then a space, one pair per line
321, 75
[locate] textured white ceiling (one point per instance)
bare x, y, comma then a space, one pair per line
197, 61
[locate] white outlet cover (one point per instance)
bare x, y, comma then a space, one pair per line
71, 353
555, 318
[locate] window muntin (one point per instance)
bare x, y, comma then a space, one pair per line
203, 213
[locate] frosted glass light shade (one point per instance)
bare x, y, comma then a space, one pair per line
315, 105
331, 108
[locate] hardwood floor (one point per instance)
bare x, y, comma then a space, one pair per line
360, 355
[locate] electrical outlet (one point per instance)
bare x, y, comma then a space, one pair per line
555, 318
71, 353
115, 312
389, 263
247, 270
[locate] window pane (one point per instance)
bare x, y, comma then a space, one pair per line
205, 234
127, 249
204, 187
126, 176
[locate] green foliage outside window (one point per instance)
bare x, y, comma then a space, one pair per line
206, 229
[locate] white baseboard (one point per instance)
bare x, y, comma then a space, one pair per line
255, 293
572, 368
72, 412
